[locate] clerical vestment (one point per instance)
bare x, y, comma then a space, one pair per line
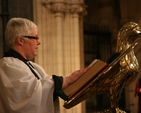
21, 91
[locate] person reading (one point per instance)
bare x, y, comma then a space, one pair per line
24, 85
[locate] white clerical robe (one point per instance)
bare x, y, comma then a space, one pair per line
21, 91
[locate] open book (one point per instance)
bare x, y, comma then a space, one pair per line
96, 67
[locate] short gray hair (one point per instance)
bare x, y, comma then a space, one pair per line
18, 27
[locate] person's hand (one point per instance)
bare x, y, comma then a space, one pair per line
73, 77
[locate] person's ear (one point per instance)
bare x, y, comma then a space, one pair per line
20, 41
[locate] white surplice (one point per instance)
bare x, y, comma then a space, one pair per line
21, 91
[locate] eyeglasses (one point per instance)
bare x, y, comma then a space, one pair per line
32, 37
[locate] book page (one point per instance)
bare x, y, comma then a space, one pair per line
93, 62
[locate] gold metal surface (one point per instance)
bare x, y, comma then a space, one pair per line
120, 73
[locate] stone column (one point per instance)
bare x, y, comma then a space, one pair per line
60, 24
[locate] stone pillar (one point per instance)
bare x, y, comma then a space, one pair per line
60, 24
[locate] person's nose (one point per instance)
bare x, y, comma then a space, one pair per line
38, 42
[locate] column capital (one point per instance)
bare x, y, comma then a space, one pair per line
55, 6
66, 6
78, 8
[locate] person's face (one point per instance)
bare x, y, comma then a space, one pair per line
31, 45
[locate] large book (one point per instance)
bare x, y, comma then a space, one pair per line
96, 67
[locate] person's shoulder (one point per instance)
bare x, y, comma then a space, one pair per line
10, 61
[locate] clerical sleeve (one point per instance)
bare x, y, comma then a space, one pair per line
58, 81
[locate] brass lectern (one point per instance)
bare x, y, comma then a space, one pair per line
120, 72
